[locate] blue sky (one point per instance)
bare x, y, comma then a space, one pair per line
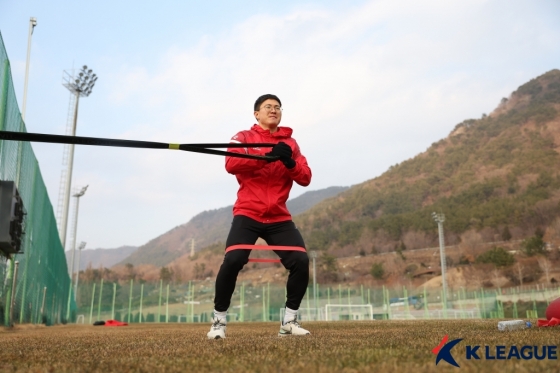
364, 85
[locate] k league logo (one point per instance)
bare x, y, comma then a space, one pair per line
489, 353
443, 351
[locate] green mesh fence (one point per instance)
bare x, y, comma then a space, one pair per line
102, 297
42, 284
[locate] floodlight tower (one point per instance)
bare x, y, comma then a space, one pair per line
32, 24
439, 219
79, 86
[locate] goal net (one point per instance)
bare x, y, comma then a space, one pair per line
338, 312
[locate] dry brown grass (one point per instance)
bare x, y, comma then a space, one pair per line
381, 346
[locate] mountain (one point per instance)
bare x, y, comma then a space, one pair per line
99, 257
498, 172
207, 228
309, 199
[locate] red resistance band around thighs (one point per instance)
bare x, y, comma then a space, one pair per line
265, 247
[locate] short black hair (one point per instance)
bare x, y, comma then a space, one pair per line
263, 98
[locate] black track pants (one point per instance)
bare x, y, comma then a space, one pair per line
245, 230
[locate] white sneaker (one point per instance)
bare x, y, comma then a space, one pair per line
292, 328
218, 329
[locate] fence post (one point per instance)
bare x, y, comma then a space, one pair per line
130, 300
69, 300
268, 317
113, 305
263, 304
385, 305
406, 305
159, 306
191, 297
9, 277
91, 307
13, 295
388, 303
192, 303
426, 312
42, 306
35, 310
100, 299
362, 293
533, 298
483, 299
141, 300
167, 305
339, 294
242, 300
307, 294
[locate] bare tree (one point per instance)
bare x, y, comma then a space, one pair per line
475, 281
546, 267
470, 241
498, 278
519, 272
552, 233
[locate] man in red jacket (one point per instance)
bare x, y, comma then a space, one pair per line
260, 211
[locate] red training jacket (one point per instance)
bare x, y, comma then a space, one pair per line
264, 187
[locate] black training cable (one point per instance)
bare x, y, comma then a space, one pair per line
196, 148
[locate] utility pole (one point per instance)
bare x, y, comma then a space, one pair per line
12, 271
439, 219
32, 24
77, 196
80, 248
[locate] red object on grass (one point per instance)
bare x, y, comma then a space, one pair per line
553, 309
552, 322
115, 323
552, 314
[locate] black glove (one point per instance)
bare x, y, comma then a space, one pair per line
281, 150
289, 163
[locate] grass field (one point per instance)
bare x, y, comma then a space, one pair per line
366, 346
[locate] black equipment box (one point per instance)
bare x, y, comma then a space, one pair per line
12, 215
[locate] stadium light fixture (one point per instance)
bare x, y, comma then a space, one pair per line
439, 219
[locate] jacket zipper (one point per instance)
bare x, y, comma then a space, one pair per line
268, 192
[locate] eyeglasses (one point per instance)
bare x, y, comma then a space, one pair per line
270, 107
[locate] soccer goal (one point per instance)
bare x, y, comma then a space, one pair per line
338, 312
80, 319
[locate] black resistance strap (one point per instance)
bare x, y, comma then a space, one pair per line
196, 148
